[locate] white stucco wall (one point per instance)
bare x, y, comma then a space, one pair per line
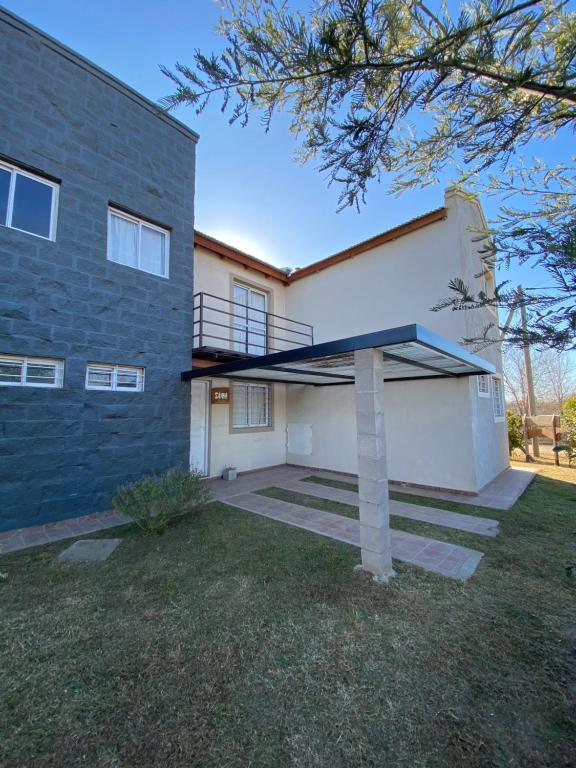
439, 433
428, 438
246, 450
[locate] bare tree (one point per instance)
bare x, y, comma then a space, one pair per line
553, 374
558, 379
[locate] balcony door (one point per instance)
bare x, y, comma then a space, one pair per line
249, 331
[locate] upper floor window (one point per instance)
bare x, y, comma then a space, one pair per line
483, 385
18, 371
28, 202
498, 399
137, 243
123, 378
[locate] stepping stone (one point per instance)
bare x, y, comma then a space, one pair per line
89, 550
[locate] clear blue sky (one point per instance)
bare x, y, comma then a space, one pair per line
250, 191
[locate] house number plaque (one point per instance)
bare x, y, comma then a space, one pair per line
219, 395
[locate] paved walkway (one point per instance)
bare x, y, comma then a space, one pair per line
22, 538
438, 556
502, 493
469, 523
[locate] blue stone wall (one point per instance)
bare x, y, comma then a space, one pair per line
63, 452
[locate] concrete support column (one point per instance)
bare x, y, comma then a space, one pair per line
372, 466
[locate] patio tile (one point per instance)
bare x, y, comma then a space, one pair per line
501, 493
480, 525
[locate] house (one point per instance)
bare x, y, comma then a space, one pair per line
112, 304
96, 251
440, 434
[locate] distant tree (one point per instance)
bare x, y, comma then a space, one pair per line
515, 432
407, 87
553, 375
569, 421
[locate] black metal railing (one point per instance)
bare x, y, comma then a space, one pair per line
225, 325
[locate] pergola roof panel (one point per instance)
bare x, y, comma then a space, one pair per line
409, 352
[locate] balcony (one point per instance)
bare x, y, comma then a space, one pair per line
227, 330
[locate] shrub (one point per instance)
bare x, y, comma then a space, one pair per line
152, 501
569, 421
515, 431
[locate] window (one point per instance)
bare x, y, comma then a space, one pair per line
498, 399
27, 202
250, 406
483, 385
31, 372
138, 244
122, 378
249, 319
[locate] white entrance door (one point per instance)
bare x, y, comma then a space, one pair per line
199, 426
250, 320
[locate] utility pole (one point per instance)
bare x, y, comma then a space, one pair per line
532, 407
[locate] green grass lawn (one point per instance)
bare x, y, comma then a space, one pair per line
234, 640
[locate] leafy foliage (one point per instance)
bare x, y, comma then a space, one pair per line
152, 502
407, 87
515, 431
569, 421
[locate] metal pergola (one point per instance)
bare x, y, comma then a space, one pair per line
410, 353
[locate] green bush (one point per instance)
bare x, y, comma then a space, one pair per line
152, 501
515, 431
569, 421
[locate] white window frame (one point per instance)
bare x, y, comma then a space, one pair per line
14, 171
25, 361
115, 370
140, 222
498, 401
486, 378
244, 324
250, 425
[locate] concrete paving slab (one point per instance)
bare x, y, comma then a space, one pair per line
90, 550
470, 523
440, 557
502, 493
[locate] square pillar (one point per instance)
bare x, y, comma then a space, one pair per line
372, 467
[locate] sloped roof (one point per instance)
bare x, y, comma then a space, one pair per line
235, 254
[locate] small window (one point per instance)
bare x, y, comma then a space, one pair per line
483, 385
114, 377
498, 399
250, 406
31, 372
27, 202
137, 243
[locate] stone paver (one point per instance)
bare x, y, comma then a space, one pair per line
437, 556
23, 538
502, 493
469, 523
90, 550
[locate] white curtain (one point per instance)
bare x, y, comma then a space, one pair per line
258, 406
123, 246
240, 405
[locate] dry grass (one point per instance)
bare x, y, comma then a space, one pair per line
237, 641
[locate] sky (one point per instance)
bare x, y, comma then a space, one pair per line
250, 191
